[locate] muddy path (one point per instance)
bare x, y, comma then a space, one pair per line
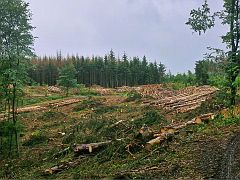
230, 162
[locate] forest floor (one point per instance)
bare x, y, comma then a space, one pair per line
49, 137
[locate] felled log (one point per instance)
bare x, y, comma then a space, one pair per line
204, 118
117, 123
61, 167
64, 103
89, 148
159, 139
170, 130
30, 109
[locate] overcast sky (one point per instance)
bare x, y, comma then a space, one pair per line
155, 28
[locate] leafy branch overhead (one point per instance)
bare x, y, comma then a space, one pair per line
201, 19
16, 48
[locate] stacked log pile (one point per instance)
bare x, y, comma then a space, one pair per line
54, 89
103, 91
178, 101
128, 89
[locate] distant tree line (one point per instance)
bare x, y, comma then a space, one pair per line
107, 71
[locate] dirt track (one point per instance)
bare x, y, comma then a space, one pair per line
230, 163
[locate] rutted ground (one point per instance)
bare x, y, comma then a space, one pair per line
193, 152
230, 164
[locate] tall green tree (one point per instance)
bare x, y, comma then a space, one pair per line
201, 71
16, 43
161, 71
201, 20
67, 77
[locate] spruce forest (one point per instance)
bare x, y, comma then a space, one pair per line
107, 71
113, 115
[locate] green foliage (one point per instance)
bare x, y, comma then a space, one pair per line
37, 137
52, 115
181, 80
150, 118
133, 96
105, 109
220, 121
237, 81
178, 86
202, 70
219, 81
6, 128
15, 18
107, 71
84, 91
219, 101
16, 43
87, 104
89, 131
67, 77
201, 19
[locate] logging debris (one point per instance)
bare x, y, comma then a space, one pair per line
89, 148
169, 131
164, 134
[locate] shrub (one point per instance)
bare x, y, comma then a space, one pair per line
89, 103
220, 121
89, 131
37, 137
150, 118
132, 96
6, 128
83, 91
52, 115
104, 109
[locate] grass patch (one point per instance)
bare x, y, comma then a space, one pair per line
133, 96
89, 131
83, 91
150, 118
52, 115
105, 109
220, 121
37, 137
30, 101
87, 104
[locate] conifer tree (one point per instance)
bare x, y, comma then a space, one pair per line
67, 77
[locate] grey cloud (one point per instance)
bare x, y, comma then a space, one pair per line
155, 28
